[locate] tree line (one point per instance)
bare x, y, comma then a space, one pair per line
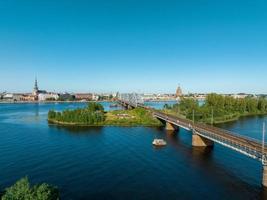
93, 114
219, 108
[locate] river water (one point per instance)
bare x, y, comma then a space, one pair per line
121, 163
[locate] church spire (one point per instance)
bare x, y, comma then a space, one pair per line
35, 89
35, 84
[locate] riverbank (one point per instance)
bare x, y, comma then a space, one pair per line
238, 117
43, 102
220, 120
218, 108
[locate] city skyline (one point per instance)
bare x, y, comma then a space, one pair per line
131, 46
183, 91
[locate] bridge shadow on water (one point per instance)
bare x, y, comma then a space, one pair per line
203, 160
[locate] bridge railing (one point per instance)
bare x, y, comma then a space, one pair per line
132, 99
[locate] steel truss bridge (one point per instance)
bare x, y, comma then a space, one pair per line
206, 135
131, 99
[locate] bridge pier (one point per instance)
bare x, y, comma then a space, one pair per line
264, 176
199, 141
171, 127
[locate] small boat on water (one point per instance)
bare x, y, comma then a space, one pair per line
159, 142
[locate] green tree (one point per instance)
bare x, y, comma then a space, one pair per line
51, 114
93, 106
262, 104
223, 107
252, 105
92, 114
22, 190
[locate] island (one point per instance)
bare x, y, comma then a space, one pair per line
94, 115
217, 108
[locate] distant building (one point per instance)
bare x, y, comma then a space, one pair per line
179, 92
8, 96
17, 97
157, 97
48, 96
105, 96
11, 97
84, 96
28, 97
66, 97
95, 97
149, 97
240, 95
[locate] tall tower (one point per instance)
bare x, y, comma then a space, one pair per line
35, 89
178, 92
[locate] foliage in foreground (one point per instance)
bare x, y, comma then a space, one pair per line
222, 108
22, 190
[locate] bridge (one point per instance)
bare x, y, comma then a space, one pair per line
204, 135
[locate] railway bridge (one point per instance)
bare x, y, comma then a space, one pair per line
204, 135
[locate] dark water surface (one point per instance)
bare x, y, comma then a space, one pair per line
121, 163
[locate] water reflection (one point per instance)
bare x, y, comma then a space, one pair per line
202, 152
80, 130
263, 194
36, 111
203, 161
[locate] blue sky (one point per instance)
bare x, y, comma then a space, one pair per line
134, 45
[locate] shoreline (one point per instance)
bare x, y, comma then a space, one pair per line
43, 102
228, 120
241, 116
124, 118
71, 124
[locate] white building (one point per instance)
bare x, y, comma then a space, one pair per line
95, 97
47, 96
8, 96
240, 96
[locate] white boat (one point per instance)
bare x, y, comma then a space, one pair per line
159, 142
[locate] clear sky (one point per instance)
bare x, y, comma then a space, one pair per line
134, 45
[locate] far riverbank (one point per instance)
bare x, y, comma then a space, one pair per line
35, 102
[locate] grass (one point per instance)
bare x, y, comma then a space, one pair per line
134, 117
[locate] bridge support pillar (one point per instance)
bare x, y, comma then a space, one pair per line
264, 176
199, 141
170, 127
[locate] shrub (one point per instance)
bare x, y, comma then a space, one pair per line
22, 190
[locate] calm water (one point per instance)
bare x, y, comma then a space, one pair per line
121, 163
